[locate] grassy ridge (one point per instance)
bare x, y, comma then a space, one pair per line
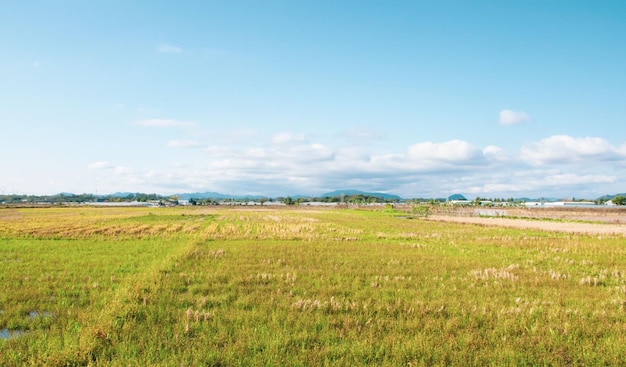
296, 287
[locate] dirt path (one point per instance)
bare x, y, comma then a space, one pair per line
554, 226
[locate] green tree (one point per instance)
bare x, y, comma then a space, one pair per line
619, 200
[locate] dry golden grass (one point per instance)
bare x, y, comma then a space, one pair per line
260, 286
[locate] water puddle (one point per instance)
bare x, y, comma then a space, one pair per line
35, 314
6, 334
9, 334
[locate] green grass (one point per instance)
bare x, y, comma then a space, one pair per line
252, 287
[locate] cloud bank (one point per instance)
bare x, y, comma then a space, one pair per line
249, 161
509, 117
567, 149
100, 165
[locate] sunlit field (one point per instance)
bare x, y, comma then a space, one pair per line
302, 287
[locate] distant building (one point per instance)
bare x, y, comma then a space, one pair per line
557, 204
459, 202
317, 203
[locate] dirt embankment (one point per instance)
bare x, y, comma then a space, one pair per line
609, 221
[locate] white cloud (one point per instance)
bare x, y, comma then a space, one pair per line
285, 157
286, 138
184, 144
520, 181
353, 154
565, 179
362, 133
450, 151
494, 153
287, 163
100, 165
164, 123
509, 117
567, 149
167, 48
122, 170
109, 166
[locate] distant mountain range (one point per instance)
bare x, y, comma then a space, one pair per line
332, 194
196, 195
336, 193
217, 195
339, 193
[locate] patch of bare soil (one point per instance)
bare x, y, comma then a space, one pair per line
582, 221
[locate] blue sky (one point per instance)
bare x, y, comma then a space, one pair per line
415, 98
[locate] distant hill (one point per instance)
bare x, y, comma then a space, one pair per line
203, 195
544, 199
349, 195
338, 193
332, 194
217, 195
610, 197
120, 194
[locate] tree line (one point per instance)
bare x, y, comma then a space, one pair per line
78, 198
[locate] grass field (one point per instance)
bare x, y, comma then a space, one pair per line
298, 287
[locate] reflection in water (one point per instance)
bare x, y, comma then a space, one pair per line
8, 334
